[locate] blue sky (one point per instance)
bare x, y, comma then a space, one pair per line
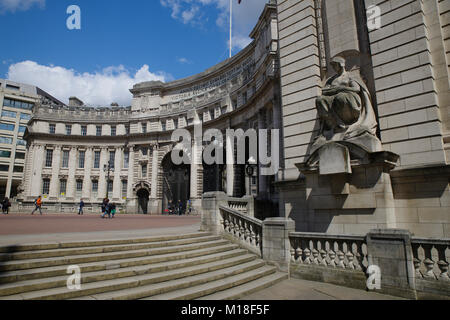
120, 42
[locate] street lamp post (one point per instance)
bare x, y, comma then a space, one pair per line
108, 168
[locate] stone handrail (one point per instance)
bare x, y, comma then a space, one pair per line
431, 258
244, 229
333, 251
239, 205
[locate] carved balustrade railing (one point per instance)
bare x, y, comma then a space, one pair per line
431, 258
332, 251
239, 205
242, 228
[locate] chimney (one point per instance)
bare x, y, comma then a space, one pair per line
75, 102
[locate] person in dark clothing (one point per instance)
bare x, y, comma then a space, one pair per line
5, 206
104, 207
80, 210
180, 207
113, 210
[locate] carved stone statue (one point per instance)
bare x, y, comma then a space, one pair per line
345, 111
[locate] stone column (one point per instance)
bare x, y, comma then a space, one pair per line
276, 244
154, 186
130, 174
71, 183
102, 183
230, 166
54, 182
195, 164
117, 170
87, 175
38, 163
262, 181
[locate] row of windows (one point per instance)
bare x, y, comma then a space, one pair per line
11, 127
7, 154
98, 132
82, 159
16, 169
7, 140
79, 187
12, 114
17, 104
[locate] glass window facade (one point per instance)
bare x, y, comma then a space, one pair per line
17, 104
9, 114
7, 127
6, 140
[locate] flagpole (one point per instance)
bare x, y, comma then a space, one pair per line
231, 25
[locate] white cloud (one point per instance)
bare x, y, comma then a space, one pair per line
184, 61
112, 84
245, 15
19, 5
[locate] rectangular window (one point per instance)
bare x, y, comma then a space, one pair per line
65, 161
113, 131
110, 185
62, 187
18, 169
20, 155
144, 151
7, 127
24, 116
124, 188
45, 186
112, 158
11, 87
22, 129
68, 129
94, 186
6, 140
49, 158
21, 142
97, 160
127, 129
4, 168
144, 171
5, 154
79, 187
9, 114
52, 129
98, 131
163, 126
126, 159
81, 158
144, 128
84, 130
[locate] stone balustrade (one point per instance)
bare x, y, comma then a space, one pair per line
332, 251
239, 205
242, 228
431, 258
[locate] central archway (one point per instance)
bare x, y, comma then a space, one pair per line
143, 198
176, 183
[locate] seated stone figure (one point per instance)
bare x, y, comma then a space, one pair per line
345, 111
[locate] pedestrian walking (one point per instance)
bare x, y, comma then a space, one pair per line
80, 210
189, 206
38, 205
5, 206
113, 210
180, 207
104, 207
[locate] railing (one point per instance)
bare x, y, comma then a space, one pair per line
431, 258
239, 205
243, 229
345, 252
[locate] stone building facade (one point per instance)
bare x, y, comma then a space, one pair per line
70, 146
342, 186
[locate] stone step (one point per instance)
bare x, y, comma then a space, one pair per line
246, 289
94, 243
60, 281
46, 272
114, 288
52, 253
215, 286
211, 273
78, 259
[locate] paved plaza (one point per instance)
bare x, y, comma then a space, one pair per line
26, 229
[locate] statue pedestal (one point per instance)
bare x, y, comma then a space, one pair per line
349, 196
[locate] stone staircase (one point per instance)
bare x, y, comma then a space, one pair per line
184, 267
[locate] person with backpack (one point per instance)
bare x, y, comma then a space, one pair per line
105, 207
5, 206
80, 210
38, 204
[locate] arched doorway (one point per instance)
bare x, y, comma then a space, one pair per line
143, 198
176, 183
